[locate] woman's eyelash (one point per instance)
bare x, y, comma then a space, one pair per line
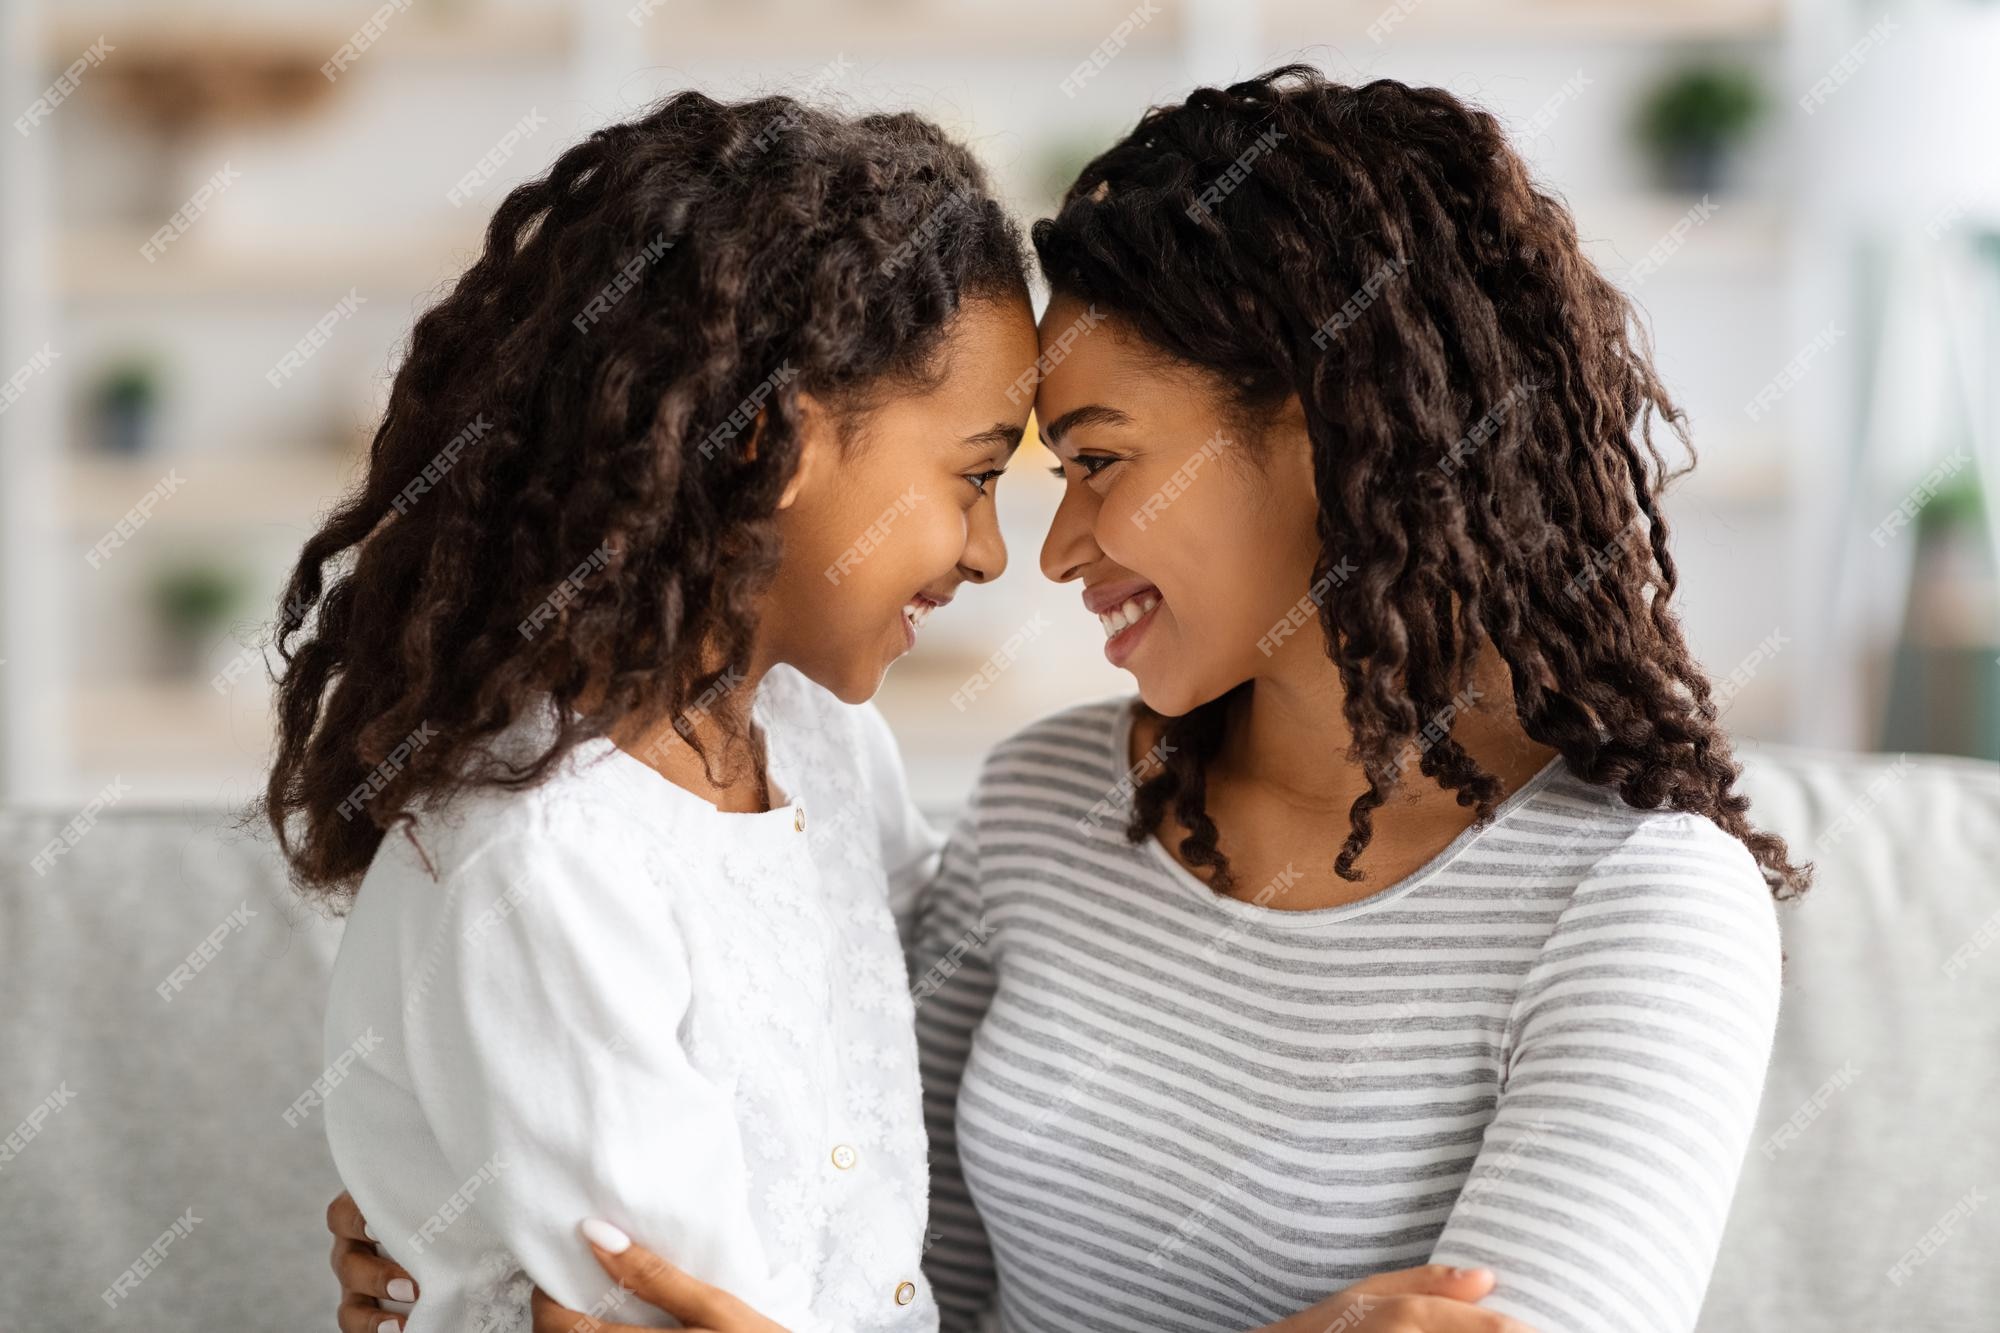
980, 480
1092, 464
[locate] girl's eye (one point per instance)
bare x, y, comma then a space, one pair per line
980, 480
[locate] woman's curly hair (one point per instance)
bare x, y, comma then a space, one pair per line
1480, 402
574, 486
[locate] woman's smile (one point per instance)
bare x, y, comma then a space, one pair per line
1125, 609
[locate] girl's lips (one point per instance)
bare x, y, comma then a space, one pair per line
915, 612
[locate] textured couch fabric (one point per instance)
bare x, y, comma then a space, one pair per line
1870, 1197
168, 1108
136, 1116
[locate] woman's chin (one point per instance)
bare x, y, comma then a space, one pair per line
1166, 696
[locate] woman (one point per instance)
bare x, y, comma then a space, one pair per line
1220, 1007
1440, 933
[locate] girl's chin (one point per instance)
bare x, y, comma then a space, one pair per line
848, 679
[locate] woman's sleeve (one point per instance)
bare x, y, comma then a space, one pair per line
544, 1051
1635, 1062
951, 968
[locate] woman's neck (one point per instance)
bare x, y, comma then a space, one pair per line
1287, 737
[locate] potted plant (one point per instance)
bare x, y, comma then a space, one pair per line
193, 603
125, 401
1695, 118
1945, 669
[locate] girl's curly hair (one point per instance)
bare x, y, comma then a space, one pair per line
574, 486
1480, 403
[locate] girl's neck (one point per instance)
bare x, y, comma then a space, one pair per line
730, 770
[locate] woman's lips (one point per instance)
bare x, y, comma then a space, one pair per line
1125, 621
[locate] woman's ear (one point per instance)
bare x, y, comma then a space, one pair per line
819, 449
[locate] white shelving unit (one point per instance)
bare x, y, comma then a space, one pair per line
441, 84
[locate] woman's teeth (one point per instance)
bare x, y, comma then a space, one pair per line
1124, 617
916, 613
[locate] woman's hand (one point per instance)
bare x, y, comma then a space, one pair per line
365, 1276
652, 1279
1429, 1299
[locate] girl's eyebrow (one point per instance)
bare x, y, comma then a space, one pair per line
1090, 414
1001, 435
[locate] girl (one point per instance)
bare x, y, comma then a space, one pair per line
1410, 912
572, 726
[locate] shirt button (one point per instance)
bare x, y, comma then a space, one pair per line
799, 818
844, 1157
905, 1292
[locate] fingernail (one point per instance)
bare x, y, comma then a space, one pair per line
402, 1289
369, 1232
1472, 1272
389, 1326
605, 1236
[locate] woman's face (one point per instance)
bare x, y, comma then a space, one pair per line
879, 534
1191, 544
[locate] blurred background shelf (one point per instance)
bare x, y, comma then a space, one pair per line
1525, 20
352, 185
107, 264
464, 34
216, 489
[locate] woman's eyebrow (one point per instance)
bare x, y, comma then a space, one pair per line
1090, 414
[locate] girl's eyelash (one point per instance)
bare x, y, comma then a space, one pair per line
980, 480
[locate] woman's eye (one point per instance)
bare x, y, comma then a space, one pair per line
1092, 464
980, 480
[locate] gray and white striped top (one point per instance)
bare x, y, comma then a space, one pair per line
1541, 1053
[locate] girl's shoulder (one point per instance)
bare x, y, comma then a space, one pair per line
594, 800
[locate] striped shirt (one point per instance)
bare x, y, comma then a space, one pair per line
1155, 1108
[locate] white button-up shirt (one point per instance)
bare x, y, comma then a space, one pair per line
602, 997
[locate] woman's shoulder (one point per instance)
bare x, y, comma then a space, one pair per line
1665, 880
1622, 836
1084, 731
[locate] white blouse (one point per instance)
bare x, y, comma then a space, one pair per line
602, 997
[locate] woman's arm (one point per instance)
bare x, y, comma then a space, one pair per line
1637, 1053
1430, 1299
543, 1052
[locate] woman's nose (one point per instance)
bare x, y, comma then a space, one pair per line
1070, 545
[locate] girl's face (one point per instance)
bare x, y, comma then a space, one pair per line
1190, 543
880, 534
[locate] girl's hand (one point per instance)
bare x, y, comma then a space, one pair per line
1429, 1299
646, 1275
365, 1276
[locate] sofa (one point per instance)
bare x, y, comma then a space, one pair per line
160, 991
